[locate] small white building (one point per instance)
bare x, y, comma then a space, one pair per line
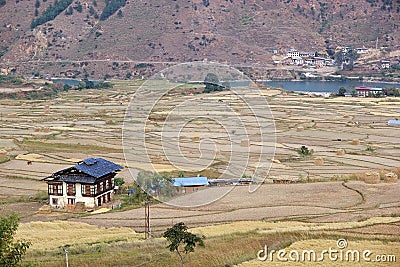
298, 61
385, 64
319, 61
362, 50
292, 53
91, 182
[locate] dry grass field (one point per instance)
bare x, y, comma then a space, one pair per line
349, 137
232, 243
380, 248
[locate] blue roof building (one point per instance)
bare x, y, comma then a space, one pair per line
394, 122
190, 181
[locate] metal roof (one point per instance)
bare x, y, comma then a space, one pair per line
86, 171
230, 180
97, 167
394, 122
70, 178
190, 181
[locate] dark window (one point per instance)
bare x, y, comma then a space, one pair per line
71, 189
71, 201
87, 190
55, 189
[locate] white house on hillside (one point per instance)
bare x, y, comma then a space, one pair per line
91, 182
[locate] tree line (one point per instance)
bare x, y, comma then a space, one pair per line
111, 7
51, 12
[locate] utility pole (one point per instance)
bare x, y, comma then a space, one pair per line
147, 219
66, 256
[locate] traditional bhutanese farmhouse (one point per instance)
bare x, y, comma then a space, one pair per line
91, 182
189, 184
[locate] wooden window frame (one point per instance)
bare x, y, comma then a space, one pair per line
71, 189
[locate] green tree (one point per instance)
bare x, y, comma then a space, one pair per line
212, 83
119, 181
78, 7
119, 14
11, 252
181, 241
111, 7
92, 11
51, 12
37, 4
342, 91
69, 11
304, 152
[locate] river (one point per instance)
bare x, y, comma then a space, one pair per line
296, 86
325, 86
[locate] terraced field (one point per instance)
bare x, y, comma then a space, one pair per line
55, 133
349, 136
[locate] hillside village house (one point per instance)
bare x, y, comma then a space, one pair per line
362, 50
294, 57
385, 64
293, 53
91, 182
364, 91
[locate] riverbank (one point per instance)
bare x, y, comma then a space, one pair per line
318, 86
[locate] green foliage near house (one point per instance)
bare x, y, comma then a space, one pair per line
391, 91
156, 184
181, 241
2, 3
11, 252
51, 12
111, 7
350, 57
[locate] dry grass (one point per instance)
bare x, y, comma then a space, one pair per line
285, 226
225, 245
31, 157
376, 247
45, 146
50, 235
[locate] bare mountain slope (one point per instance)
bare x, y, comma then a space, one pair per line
232, 31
